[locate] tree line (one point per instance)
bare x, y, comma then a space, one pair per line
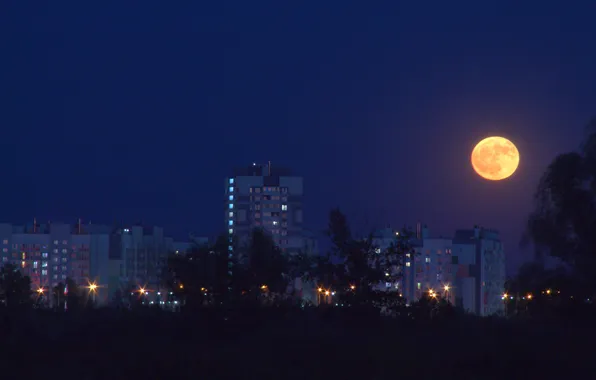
351, 269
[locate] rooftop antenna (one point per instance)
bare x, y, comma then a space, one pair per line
34, 224
269, 168
79, 226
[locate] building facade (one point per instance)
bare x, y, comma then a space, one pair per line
480, 264
468, 269
138, 258
112, 258
269, 198
50, 253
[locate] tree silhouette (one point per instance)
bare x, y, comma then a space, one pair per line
563, 223
74, 296
15, 288
267, 266
361, 263
58, 296
200, 274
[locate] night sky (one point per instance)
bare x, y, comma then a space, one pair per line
136, 111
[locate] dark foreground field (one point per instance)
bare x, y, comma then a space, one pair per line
266, 344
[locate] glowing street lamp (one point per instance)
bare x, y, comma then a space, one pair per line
40, 291
93, 290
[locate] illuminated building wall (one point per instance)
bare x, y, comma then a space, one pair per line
267, 197
138, 257
480, 261
432, 268
50, 253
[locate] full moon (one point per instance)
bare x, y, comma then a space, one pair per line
495, 158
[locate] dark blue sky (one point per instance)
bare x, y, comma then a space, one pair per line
137, 110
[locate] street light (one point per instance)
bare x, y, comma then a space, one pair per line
93, 290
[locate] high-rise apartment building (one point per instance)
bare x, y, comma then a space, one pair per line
267, 197
480, 265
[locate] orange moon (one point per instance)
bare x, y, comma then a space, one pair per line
495, 158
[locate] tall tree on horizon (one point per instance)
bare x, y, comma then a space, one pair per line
362, 264
267, 265
563, 223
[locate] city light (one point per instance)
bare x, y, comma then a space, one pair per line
92, 287
446, 287
40, 291
327, 292
352, 287
529, 296
548, 291
505, 296
320, 290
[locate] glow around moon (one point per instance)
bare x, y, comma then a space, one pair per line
495, 158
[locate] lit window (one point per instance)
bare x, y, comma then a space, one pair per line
44, 255
64, 251
231, 214
231, 206
231, 181
407, 263
5, 241
64, 242
55, 251
4, 249
231, 223
44, 272
231, 197
231, 231
427, 259
418, 285
35, 264
284, 207
231, 189
377, 250
230, 248
44, 264
55, 241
